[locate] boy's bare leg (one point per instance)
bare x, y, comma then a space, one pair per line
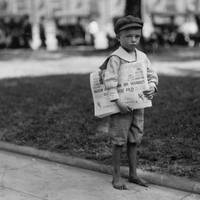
117, 182
132, 157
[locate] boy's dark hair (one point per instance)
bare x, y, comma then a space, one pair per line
127, 22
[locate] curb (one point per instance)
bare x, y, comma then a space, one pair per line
154, 178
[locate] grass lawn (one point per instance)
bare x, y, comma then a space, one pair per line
56, 113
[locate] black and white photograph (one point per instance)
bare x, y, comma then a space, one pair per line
99, 100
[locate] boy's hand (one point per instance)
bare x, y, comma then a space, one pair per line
150, 92
123, 107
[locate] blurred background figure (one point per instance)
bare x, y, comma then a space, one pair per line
79, 33
42, 32
35, 42
16, 40
2, 35
26, 31
50, 35
188, 30
110, 34
93, 29
59, 33
98, 36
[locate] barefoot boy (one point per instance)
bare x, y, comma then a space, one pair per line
126, 127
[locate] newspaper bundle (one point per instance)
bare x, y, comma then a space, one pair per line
131, 84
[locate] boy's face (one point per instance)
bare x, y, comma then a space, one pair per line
129, 38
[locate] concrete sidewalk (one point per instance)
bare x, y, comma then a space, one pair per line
27, 178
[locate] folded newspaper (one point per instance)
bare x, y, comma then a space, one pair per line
131, 84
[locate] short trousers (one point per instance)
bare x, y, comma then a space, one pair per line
127, 128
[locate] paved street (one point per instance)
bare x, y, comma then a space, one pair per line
27, 178
56, 63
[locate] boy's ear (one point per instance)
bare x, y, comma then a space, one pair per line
118, 36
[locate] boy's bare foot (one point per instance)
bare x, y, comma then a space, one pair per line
119, 185
137, 181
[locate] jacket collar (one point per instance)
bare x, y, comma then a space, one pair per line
123, 54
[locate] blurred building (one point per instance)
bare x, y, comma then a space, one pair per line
71, 18
76, 22
69, 9
161, 10
172, 21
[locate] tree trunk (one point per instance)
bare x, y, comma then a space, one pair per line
133, 7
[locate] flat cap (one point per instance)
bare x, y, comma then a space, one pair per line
127, 22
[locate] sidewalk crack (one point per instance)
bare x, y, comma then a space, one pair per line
187, 195
25, 193
2, 177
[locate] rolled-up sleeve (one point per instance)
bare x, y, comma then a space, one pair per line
111, 77
151, 74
